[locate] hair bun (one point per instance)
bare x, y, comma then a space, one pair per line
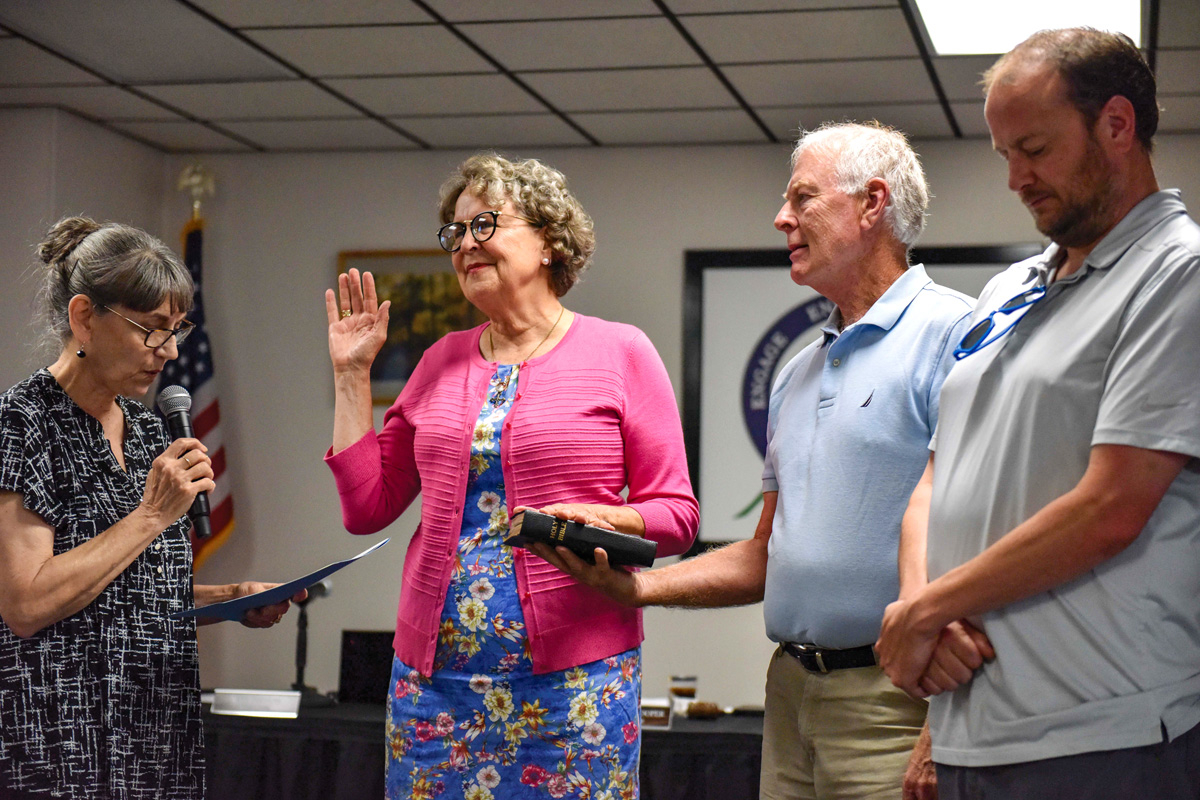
64, 237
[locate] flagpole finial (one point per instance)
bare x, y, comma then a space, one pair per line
198, 181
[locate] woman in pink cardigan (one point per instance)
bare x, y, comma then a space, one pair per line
510, 678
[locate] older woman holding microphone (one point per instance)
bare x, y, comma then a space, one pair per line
99, 685
510, 678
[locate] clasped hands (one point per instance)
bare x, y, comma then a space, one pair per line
924, 657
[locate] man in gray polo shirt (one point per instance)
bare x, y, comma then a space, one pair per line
848, 429
1065, 510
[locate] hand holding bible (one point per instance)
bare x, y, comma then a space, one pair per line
615, 582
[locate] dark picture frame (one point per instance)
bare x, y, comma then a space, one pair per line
698, 263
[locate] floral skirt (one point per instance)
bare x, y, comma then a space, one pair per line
571, 734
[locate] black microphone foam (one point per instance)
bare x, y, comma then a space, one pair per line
176, 405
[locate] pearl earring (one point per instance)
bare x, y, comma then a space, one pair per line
546, 261
80, 353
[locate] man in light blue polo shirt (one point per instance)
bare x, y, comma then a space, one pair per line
848, 430
1065, 513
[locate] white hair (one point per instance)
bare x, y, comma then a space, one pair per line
866, 151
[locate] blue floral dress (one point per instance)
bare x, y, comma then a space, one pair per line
484, 725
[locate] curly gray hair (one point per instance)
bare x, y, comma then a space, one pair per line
538, 192
874, 150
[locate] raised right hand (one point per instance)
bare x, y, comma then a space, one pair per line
175, 478
355, 338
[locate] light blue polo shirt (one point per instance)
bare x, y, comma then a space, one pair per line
848, 432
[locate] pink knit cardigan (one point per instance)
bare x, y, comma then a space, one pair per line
592, 416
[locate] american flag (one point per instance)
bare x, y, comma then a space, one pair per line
193, 370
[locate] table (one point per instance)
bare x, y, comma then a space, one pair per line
337, 754
708, 759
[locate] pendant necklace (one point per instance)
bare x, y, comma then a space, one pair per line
497, 398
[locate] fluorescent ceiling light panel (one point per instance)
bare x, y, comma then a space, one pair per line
973, 27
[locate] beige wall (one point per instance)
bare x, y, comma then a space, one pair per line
52, 165
274, 230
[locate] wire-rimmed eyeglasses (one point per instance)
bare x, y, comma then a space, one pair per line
980, 335
159, 336
450, 235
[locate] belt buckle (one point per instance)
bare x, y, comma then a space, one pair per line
816, 654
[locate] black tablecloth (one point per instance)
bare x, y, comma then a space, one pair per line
338, 754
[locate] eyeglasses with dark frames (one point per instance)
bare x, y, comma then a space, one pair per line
482, 227
159, 336
980, 335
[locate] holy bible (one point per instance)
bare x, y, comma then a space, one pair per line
533, 526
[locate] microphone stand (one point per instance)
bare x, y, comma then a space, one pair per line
309, 696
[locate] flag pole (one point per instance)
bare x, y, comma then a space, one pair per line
194, 369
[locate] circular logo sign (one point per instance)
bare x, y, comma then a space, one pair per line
764, 359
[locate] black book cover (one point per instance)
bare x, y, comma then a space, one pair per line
534, 526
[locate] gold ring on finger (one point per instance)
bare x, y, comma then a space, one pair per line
345, 313
188, 460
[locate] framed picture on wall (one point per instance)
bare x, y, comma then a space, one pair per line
743, 319
427, 303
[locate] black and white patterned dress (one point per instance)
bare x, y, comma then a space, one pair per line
104, 704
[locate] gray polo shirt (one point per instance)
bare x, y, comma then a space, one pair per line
1109, 355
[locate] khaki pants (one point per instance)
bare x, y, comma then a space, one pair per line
847, 734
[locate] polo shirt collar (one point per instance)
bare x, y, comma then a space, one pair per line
1133, 226
889, 307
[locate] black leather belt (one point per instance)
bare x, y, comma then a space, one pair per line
824, 660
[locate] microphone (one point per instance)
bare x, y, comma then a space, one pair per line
176, 405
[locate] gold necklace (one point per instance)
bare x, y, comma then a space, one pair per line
497, 398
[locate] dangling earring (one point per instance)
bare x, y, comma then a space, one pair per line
80, 353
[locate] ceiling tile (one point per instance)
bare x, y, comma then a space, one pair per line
254, 100
98, 102
970, 119
391, 50
584, 44
1178, 71
325, 134
1178, 23
22, 64
133, 41
239, 13
917, 120
662, 127
685, 87
833, 82
960, 75
1179, 113
437, 95
681, 7
811, 35
474, 11
182, 136
505, 130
